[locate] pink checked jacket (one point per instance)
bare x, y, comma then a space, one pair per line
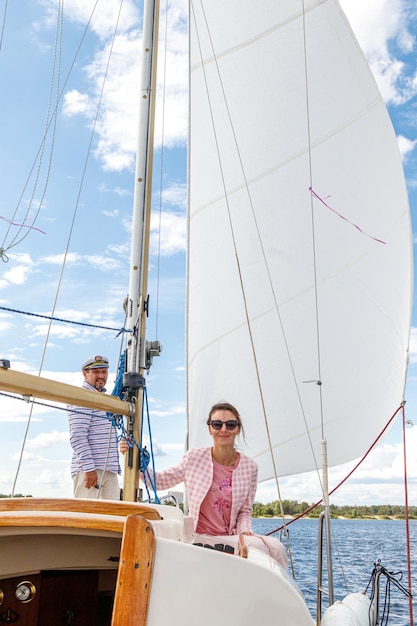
196, 470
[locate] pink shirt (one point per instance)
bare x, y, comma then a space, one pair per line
214, 516
196, 470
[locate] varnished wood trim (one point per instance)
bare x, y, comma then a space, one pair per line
23, 520
78, 505
135, 573
38, 387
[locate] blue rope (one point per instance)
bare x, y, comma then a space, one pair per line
144, 455
59, 319
118, 385
151, 456
117, 420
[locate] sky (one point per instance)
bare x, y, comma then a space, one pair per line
88, 225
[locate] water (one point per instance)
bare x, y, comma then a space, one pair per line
356, 546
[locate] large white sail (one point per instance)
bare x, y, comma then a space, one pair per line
299, 266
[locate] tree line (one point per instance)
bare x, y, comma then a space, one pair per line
295, 508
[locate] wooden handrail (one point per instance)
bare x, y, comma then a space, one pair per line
134, 577
79, 505
21, 519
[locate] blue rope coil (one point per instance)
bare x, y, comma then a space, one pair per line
145, 457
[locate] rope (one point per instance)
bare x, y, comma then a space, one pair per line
150, 456
313, 506
118, 385
117, 421
145, 457
60, 319
407, 525
30, 400
391, 577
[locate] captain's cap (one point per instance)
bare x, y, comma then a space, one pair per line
94, 362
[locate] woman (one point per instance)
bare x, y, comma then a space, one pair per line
221, 485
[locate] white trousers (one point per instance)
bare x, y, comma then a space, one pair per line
108, 489
270, 545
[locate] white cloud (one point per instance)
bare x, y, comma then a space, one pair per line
76, 103
58, 259
19, 270
378, 480
14, 409
114, 213
413, 345
121, 192
175, 195
63, 332
406, 146
103, 262
118, 90
171, 238
45, 440
4, 326
101, 21
158, 449
381, 27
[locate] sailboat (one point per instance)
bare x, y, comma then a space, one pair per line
298, 312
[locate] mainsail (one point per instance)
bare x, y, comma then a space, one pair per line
299, 266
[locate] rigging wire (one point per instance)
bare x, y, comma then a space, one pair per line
313, 243
213, 60
401, 409
407, 525
92, 135
352, 471
243, 291
86, 29
58, 42
3, 24
145, 457
246, 184
119, 331
117, 423
51, 119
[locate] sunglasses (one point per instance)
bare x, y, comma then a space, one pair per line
230, 424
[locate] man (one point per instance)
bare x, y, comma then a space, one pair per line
95, 458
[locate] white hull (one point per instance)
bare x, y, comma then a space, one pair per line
117, 563
186, 582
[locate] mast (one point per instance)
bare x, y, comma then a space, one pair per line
138, 350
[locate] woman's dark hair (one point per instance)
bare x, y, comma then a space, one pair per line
226, 406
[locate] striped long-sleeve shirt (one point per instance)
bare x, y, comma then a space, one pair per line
93, 439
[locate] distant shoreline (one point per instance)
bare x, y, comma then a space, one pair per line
294, 509
411, 518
